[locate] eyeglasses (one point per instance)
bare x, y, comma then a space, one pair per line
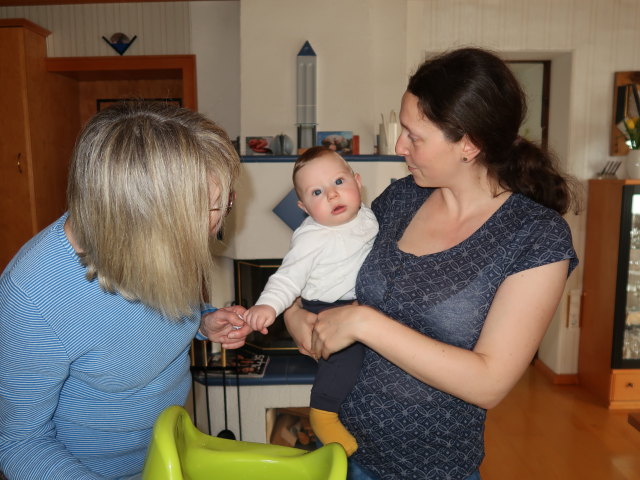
227, 210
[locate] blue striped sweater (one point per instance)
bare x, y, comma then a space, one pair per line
83, 373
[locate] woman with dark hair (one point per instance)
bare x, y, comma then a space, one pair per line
464, 277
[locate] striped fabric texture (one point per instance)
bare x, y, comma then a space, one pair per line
83, 373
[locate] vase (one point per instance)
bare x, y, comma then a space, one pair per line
633, 164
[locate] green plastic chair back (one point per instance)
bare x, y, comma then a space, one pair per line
179, 451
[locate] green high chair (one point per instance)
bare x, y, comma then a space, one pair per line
179, 451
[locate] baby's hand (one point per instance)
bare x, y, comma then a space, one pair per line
259, 317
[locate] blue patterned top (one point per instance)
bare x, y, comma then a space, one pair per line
405, 428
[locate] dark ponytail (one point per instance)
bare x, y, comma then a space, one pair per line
532, 171
472, 92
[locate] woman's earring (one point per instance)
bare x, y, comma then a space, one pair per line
465, 160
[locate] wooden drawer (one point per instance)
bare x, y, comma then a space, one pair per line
625, 385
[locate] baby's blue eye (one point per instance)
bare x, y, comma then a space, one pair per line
339, 181
316, 192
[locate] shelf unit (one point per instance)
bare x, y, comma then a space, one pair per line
151, 76
37, 132
617, 388
44, 103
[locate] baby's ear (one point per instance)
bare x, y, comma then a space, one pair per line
301, 206
358, 180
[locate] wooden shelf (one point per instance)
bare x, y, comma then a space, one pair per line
614, 388
634, 420
24, 23
181, 68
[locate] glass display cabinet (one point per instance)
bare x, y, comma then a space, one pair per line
609, 358
626, 325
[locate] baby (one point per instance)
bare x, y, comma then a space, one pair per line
321, 266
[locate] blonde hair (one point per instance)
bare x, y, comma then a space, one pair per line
138, 198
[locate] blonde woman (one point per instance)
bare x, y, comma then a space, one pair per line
97, 311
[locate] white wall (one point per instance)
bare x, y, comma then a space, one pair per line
162, 28
215, 39
384, 41
366, 50
211, 30
254, 231
359, 44
599, 37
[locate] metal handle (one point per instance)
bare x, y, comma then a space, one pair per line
18, 164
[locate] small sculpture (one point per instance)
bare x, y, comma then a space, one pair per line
282, 145
306, 96
120, 42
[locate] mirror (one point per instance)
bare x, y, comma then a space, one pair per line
534, 77
626, 103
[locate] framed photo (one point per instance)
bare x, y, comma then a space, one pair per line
102, 103
259, 145
341, 142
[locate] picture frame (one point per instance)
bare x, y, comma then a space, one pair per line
102, 103
262, 145
340, 141
625, 99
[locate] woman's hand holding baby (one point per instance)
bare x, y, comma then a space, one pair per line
336, 329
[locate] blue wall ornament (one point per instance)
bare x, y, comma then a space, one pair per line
120, 42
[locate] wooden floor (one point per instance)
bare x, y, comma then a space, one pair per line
543, 431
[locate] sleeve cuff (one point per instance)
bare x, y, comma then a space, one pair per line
206, 308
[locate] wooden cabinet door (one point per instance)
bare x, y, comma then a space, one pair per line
16, 219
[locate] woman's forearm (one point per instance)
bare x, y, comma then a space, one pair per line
459, 372
516, 322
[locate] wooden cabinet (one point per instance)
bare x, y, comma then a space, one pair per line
45, 101
37, 129
625, 387
101, 79
611, 375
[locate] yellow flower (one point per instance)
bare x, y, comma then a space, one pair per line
631, 129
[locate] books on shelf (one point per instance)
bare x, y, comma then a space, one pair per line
240, 362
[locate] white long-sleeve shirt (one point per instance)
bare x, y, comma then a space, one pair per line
322, 262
